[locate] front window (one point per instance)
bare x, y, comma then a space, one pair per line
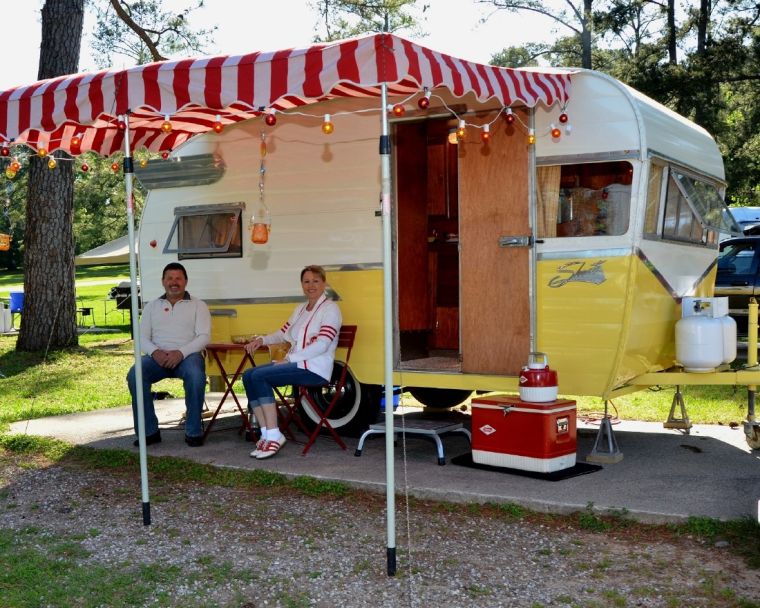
206, 231
589, 199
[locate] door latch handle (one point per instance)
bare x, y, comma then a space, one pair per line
515, 241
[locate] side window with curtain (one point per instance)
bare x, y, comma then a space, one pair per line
206, 231
588, 199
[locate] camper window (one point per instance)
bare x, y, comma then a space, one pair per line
589, 199
693, 210
206, 231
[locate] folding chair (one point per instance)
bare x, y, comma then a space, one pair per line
333, 390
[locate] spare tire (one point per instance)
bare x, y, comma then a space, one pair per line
357, 407
439, 398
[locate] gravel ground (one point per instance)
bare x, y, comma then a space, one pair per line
279, 547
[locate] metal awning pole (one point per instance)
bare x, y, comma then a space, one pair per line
135, 314
385, 203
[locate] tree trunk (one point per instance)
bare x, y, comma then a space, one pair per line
703, 19
672, 48
48, 319
586, 34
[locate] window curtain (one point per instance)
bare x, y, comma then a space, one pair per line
548, 199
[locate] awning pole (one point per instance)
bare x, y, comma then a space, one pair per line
135, 314
385, 202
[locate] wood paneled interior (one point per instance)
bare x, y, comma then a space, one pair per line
411, 156
493, 202
446, 334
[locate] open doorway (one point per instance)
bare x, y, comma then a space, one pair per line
462, 297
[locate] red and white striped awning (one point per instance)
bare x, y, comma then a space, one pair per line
193, 92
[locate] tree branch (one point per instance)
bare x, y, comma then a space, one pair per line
125, 17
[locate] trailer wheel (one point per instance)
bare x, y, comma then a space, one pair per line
439, 398
357, 407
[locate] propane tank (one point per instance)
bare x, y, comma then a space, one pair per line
699, 343
538, 383
729, 338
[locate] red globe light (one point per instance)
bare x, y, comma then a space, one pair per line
153, 243
485, 136
85, 167
399, 110
509, 118
164, 155
423, 103
218, 127
5, 151
563, 118
122, 125
270, 119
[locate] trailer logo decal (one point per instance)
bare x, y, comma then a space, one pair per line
487, 429
578, 271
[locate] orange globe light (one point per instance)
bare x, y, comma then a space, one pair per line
399, 110
42, 152
114, 166
52, 163
15, 166
76, 141
485, 136
218, 127
556, 133
327, 126
166, 126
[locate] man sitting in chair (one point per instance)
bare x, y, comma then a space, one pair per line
313, 330
174, 329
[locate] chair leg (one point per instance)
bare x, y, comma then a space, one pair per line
323, 423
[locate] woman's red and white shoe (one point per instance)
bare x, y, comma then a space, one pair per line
259, 446
271, 448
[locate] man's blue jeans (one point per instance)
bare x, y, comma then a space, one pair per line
192, 370
258, 381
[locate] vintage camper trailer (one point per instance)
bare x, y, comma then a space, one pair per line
571, 229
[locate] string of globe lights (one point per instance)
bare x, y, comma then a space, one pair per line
398, 110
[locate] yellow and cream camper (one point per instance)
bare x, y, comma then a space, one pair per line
574, 229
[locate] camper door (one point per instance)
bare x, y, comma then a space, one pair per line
463, 298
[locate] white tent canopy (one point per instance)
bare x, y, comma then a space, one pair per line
112, 252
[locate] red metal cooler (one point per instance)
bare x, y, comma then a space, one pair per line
509, 432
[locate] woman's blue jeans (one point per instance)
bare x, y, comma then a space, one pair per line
259, 381
192, 370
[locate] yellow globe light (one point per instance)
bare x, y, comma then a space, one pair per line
52, 163
327, 125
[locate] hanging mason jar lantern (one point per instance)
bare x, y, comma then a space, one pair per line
261, 222
5, 242
260, 226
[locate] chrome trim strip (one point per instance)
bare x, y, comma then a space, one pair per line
352, 267
223, 312
331, 294
587, 253
594, 157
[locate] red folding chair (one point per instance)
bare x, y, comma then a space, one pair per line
334, 389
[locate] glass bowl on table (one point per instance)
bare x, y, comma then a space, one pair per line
243, 338
278, 352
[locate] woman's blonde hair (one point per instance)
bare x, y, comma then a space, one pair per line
315, 270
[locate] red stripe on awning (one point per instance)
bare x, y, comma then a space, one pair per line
347, 66
279, 75
313, 64
245, 78
213, 89
181, 82
152, 96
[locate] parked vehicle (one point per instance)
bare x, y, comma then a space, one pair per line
747, 218
738, 277
579, 244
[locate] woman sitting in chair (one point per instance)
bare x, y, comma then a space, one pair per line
313, 331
